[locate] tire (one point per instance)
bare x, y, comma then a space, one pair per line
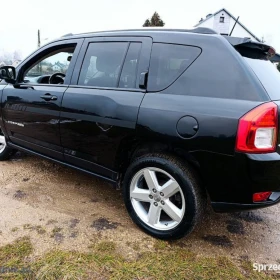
150, 214
5, 151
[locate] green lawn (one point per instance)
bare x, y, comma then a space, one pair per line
103, 262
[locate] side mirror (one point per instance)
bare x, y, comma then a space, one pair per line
8, 73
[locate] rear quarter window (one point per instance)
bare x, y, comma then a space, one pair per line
268, 75
168, 62
219, 72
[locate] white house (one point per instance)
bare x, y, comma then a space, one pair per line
16, 63
58, 67
223, 21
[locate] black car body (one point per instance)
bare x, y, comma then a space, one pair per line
188, 94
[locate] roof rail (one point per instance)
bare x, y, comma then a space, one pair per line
200, 30
67, 35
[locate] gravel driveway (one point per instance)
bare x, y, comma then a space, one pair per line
58, 207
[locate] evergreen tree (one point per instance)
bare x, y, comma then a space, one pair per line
147, 23
154, 21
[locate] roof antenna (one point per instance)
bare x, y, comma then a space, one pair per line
233, 26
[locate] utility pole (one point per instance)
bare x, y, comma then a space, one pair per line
39, 67
39, 39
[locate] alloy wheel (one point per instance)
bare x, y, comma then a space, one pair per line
157, 198
2, 142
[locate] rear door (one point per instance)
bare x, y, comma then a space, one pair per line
100, 108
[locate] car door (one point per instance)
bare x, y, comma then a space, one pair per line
100, 107
31, 107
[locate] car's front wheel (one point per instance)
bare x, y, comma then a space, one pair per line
162, 196
5, 151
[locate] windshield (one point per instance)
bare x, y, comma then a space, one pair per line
268, 75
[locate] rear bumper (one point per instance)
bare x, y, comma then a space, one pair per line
222, 207
231, 181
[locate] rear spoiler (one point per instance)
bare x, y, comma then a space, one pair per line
246, 47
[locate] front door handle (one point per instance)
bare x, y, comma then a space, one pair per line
49, 97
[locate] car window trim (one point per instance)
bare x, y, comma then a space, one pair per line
41, 85
175, 44
137, 66
123, 60
146, 42
37, 53
109, 88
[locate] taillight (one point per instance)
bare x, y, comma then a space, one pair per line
261, 197
257, 130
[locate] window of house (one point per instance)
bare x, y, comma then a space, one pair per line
102, 64
222, 19
168, 62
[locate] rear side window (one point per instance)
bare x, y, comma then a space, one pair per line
129, 71
268, 75
102, 64
168, 62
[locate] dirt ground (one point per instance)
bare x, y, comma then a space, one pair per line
60, 208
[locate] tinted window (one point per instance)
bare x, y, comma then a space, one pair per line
54, 61
219, 74
102, 64
129, 72
168, 62
268, 75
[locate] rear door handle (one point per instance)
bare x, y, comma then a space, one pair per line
49, 97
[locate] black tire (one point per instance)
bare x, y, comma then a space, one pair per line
195, 196
7, 152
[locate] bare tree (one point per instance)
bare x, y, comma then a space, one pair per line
17, 55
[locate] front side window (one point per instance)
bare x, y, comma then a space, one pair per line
56, 61
168, 62
102, 64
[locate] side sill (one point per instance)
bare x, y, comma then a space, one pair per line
61, 162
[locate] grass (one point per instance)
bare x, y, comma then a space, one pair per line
134, 245
160, 244
13, 254
105, 263
14, 229
106, 247
27, 226
39, 229
55, 231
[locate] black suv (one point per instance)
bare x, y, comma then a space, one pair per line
172, 116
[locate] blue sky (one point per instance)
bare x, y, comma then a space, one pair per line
18, 28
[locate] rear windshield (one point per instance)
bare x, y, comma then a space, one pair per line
268, 75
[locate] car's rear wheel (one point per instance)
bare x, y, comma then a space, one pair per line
162, 196
5, 151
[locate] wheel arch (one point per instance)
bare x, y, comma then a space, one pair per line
134, 148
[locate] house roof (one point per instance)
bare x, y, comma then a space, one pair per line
59, 64
226, 11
